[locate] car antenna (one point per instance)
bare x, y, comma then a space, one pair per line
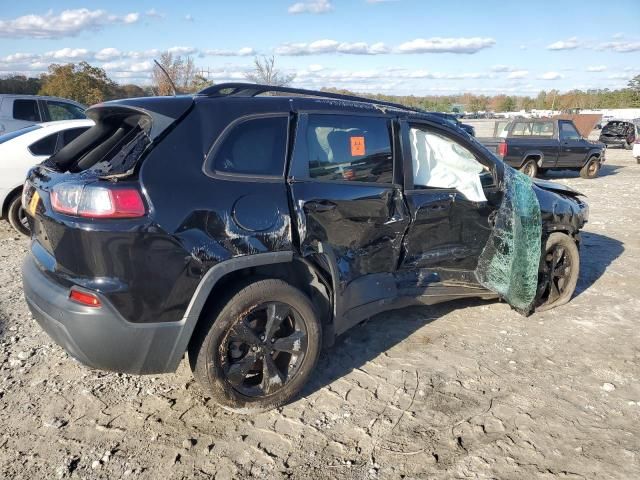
173, 85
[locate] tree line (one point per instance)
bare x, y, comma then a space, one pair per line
89, 84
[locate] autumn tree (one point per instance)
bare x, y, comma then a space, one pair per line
265, 72
181, 70
80, 82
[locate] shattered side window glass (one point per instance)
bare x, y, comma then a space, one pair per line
509, 262
440, 162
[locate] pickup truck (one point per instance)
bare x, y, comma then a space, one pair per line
537, 145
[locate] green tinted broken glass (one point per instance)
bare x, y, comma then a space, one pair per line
509, 262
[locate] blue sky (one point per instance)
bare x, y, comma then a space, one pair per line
392, 46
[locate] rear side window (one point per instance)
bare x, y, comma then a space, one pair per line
45, 146
26, 110
64, 111
349, 148
254, 147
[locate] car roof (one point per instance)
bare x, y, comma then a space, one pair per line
38, 97
64, 124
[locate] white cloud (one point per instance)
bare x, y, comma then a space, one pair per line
620, 46
189, 18
570, 44
131, 18
107, 54
551, 76
518, 74
311, 6
242, 52
315, 68
67, 54
620, 76
596, 68
446, 45
331, 46
502, 68
182, 50
67, 23
153, 13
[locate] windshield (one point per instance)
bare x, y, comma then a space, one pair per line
11, 135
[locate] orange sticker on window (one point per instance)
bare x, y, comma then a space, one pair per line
357, 146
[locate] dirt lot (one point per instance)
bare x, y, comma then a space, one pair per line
465, 390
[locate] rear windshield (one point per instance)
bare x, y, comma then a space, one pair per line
113, 146
616, 127
11, 135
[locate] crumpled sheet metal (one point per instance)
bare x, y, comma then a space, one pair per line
509, 263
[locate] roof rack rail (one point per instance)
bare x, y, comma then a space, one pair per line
253, 89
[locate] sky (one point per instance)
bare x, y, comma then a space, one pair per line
420, 47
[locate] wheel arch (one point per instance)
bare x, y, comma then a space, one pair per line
536, 155
7, 200
229, 274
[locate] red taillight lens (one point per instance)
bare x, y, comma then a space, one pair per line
88, 299
93, 201
502, 149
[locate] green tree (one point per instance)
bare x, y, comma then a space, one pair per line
634, 83
507, 104
80, 82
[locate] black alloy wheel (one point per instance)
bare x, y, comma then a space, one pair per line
257, 346
558, 273
264, 349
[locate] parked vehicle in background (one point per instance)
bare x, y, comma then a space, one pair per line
18, 111
249, 229
22, 149
636, 143
537, 145
619, 133
453, 120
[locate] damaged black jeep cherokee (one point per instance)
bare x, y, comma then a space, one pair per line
249, 225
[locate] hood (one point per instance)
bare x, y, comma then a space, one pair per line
556, 187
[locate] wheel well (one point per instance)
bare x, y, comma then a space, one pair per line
299, 273
532, 156
8, 199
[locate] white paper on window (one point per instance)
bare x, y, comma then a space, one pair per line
441, 163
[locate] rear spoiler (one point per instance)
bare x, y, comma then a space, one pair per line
162, 111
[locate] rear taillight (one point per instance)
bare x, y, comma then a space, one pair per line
84, 298
97, 201
502, 149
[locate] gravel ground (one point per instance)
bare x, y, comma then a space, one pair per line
461, 390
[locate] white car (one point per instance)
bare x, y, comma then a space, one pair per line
18, 111
22, 149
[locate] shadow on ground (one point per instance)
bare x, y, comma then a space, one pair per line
597, 252
605, 171
367, 341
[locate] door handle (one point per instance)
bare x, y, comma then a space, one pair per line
318, 207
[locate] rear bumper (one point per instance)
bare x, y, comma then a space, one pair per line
99, 337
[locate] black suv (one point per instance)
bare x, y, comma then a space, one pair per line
249, 225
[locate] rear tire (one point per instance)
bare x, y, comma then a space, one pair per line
530, 168
17, 216
591, 168
559, 271
257, 350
